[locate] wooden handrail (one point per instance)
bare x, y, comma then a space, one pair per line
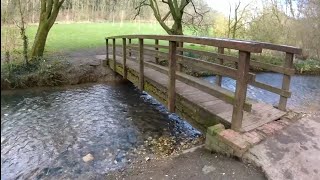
241, 73
218, 42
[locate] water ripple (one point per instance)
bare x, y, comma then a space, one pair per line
45, 133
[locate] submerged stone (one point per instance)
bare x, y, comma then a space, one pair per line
87, 158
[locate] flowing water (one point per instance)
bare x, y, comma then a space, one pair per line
46, 132
305, 90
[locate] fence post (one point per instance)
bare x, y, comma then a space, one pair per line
107, 52
114, 56
130, 48
157, 49
179, 64
141, 68
219, 77
241, 90
124, 56
172, 76
286, 81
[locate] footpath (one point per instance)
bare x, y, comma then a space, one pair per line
292, 153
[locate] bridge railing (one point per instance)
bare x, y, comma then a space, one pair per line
174, 49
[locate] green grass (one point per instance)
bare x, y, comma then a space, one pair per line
66, 37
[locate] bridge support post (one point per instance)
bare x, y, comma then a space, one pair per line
172, 76
241, 90
130, 48
179, 64
124, 56
141, 68
114, 56
286, 81
156, 42
219, 77
107, 51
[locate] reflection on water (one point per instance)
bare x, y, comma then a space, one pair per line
45, 133
305, 90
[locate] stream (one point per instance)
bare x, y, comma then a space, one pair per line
46, 132
305, 90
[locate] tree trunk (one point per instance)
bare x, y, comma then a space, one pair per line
40, 41
48, 15
177, 28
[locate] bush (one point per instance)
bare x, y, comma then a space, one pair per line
309, 66
39, 72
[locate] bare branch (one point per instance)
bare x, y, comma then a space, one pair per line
138, 8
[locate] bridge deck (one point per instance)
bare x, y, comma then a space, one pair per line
260, 114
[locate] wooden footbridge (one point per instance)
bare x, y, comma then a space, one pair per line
158, 65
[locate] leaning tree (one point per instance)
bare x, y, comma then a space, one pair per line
48, 14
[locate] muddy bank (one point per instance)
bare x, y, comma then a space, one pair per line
57, 71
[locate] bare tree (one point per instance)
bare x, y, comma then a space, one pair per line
236, 21
176, 10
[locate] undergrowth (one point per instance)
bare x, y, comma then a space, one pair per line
38, 72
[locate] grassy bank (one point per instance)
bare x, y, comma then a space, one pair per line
68, 37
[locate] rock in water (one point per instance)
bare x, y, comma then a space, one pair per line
207, 169
87, 158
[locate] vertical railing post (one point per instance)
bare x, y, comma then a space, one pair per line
114, 56
241, 90
156, 42
179, 64
172, 76
107, 51
130, 48
219, 77
124, 57
286, 81
141, 68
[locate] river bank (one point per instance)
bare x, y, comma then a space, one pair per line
55, 71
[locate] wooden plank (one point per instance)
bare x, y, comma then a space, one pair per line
273, 68
210, 54
124, 58
157, 49
210, 103
216, 68
219, 77
107, 51
200, 97
220, 107
270, 88
150, 52
202, 85
286, 81
241, 90
172, 76
157, 45
218, 42
141, 68
114, 55
130, 49
283, 48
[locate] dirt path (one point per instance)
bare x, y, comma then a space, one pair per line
195, 165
